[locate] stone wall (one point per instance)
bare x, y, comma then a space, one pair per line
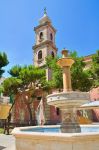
94, 95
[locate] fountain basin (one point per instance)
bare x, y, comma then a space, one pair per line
65, 62
68, 99
68, 102
35, 138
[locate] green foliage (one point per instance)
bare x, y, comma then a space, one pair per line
3, 62
31, 74
15, 70
1, 89
56, 81
80, 77
74, 55
95, 69
23, 78
11, 85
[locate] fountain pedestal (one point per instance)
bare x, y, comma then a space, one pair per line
69, 121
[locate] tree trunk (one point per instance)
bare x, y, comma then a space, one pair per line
8, 120
30, 113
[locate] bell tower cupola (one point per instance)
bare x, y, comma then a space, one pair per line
44, 41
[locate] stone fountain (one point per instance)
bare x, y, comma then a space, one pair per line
69, 135
68, 101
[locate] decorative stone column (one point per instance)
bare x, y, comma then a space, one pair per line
65, 63
69, 118
66, 79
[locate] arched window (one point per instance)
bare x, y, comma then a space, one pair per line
40, 54
52, 54
41, 35
51, 36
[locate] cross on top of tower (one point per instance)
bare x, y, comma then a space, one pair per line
45, 11
45, 17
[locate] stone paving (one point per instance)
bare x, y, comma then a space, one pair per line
7, 142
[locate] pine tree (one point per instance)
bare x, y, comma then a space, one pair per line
3, 62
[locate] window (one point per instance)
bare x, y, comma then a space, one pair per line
51, 36
57, 111
41, 35
52, 54
40, 54
39, 98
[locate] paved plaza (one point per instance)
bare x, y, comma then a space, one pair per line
7, 142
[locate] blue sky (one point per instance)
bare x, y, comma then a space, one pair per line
76, 21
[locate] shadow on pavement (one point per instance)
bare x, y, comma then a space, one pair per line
2, 147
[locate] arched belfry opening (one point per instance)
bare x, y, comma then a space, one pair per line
39, 55
51, 36
41, 35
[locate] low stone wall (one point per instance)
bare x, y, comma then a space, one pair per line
55, 141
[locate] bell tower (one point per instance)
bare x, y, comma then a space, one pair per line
44, 42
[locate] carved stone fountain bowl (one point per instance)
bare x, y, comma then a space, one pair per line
68, 99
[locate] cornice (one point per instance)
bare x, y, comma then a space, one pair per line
45, 24
49, 43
